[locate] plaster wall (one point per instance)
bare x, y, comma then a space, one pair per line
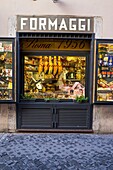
96, 8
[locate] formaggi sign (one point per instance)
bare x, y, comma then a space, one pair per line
55, 23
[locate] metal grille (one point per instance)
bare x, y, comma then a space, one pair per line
54, 116
75, 118
55, 35
36, 118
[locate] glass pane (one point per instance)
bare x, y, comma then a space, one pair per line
105, 72
56, 77
5, 70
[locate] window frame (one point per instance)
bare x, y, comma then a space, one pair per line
100, 41
55, 53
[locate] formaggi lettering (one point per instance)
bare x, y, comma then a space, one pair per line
55, 23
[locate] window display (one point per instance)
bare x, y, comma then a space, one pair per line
56, 77
105, 72
6, 70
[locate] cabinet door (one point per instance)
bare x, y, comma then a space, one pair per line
76, 116
35, 117
54, 116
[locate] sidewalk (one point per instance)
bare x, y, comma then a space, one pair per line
56, 151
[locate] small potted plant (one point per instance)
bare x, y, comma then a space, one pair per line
26, 97
50, 99
81, 99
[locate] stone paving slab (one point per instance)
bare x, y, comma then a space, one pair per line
56, 151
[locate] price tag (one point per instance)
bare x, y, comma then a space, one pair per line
0, 44
1, 49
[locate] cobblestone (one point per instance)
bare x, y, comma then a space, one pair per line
56, 151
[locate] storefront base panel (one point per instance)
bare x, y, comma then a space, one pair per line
54, 116
103, 118
46, 118
74, 118
7, 117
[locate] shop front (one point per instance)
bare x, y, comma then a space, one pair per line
54, 74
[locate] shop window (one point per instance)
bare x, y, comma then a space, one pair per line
105, 72
57, 77
6, 70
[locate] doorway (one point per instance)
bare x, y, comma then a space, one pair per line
49, 80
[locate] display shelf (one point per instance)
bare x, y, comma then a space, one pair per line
104, 71
75, 80
5, 89
31, 70
34, 57
31, 64
105, 91
6, 70
6, 76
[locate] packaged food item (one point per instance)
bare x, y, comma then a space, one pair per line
103, 83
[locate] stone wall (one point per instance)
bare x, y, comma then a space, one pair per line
103, 118
7, 117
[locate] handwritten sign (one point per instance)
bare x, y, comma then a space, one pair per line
50, 44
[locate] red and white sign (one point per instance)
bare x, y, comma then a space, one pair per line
8, 47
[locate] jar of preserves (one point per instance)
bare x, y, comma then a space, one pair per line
78, 75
